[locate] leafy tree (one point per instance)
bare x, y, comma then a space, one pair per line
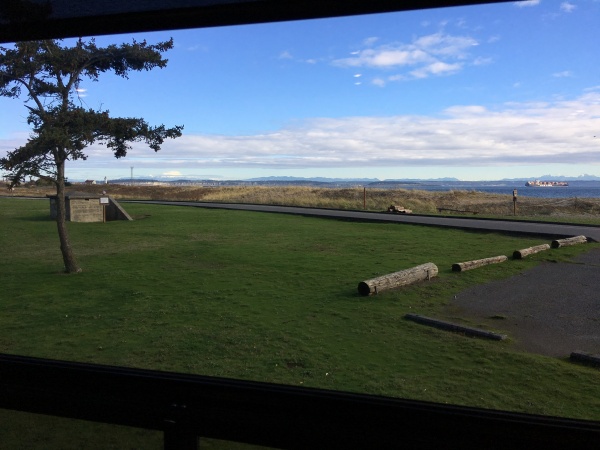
47, 75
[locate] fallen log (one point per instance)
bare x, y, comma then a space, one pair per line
569, 241
468, 265
402, 278
398, 210
585, 358
449, 326
520, 254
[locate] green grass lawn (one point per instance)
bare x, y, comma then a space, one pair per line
270, 297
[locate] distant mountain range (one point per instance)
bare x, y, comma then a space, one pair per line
342, 181
557, 178
346, 180
317, 179
419, 180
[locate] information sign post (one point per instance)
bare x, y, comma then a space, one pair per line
104, 201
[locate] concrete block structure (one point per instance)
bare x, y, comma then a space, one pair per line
83, 207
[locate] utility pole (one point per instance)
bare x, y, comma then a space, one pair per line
131, 174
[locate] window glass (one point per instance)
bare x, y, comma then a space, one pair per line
473, 100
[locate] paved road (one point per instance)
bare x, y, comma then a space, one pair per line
550, 230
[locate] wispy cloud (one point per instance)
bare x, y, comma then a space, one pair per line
431, 55
436, 68
567, 7
525, 3
563, 74
197, 48
426, 49
479, 61
370, 41
384, 58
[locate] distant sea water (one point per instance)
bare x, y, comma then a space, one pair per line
580, 189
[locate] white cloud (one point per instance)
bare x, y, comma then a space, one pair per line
171, 173
528, 133
444, 44
383, 58
461, 136
563, 74
285, 55
368, 42
567, 7
398, 78
436, 68
461, 23
482, 61
197, 47
433, 54
524, 3
465, 111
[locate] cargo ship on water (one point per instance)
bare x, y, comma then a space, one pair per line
538, 183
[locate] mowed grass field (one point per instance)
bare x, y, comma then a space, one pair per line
265, 297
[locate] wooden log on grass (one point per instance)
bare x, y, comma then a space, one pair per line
393, 280
468, 265
520, 254
585, 358
569, 241
449, 326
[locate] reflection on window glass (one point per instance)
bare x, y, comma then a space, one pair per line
444, 111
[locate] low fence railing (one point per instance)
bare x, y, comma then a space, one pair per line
186, 407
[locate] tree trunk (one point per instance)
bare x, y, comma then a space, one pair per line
520, 254
69, 260
393, 280
468, 265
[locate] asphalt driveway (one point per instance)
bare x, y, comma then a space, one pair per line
552, 309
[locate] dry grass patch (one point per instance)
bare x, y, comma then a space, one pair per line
419, 201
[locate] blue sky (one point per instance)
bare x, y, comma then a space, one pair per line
481, 92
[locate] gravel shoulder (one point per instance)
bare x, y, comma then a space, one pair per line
552, 309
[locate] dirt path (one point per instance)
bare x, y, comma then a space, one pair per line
552, 309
